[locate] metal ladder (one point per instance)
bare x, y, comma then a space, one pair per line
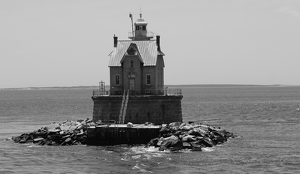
123, 107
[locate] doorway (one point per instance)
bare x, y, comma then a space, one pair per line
132, 86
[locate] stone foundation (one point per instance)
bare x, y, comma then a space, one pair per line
140, 109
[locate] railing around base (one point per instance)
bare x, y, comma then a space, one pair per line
166, 91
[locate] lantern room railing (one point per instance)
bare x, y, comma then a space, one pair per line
149, 34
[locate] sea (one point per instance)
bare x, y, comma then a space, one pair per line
266, 120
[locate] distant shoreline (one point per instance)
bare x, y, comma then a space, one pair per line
169, 86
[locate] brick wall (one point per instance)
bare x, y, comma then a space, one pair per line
140, 109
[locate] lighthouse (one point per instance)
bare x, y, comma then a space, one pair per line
137, 93
137, 64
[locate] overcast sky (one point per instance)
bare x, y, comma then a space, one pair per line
66, 43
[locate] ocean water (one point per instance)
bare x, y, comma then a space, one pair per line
266, 120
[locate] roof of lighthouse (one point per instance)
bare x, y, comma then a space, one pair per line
147, 50
141, 21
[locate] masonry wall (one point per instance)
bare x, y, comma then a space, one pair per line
140, 109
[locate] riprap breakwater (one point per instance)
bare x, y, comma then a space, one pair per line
173, 136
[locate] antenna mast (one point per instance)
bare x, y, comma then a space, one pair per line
140, 11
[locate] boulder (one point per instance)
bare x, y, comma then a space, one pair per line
194, 136
36, 140
196, 146
186, 145
188, 138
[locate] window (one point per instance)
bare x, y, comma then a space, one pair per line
131, 51
148, 79
131, 64
144, 27
117, 79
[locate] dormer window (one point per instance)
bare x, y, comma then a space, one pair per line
131, 64
131, 51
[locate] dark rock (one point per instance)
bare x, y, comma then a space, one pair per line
42, 142
165, 143
152, 142
188, 138
25, 138
16, 139
186, 145
174, 136
65, 137
206, 142
68, 141
177, 146
195, 146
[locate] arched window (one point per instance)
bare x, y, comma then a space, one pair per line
131, 64
117, 79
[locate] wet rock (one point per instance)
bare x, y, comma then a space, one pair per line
195, 146
129, 124
24, 138
186, 145
36, 140
42, 142
206, 142
177, 146
152, 142
176, 136
67, 133
188, 138
168, 142
16, 139
68, 141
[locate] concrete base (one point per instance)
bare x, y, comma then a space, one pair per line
121, 134
140, 109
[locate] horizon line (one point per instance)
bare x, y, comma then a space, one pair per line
92, 86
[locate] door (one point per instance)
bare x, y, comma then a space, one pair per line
131, 86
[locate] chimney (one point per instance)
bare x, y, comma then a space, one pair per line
158, 42
115, 41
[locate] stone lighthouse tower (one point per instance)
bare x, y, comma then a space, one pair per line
137, 92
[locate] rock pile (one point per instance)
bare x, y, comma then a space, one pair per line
67, 133
176, 136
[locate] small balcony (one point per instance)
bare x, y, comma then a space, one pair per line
98, 93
